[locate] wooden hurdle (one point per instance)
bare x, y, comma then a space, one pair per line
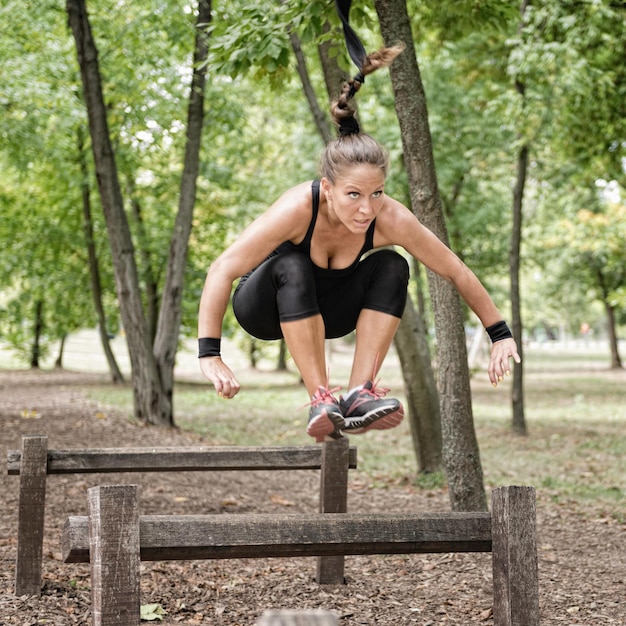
114, 538
297, 618
34, 462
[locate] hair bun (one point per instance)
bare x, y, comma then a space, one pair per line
348, 126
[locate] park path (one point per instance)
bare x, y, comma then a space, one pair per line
581, 549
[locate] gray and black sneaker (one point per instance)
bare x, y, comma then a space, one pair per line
366, 408
325, 419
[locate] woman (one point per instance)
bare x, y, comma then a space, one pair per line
305, 279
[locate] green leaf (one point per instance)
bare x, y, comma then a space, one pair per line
150, 612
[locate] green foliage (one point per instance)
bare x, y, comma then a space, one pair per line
259, 139
251, 36
596, 241
453, 20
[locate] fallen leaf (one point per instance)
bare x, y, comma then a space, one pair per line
276, 499
151, 612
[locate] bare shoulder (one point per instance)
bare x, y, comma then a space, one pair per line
396, 224
295, 199
290, 213
287, 218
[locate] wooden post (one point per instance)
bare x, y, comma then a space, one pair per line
297, 618
114, 555
32, 500
514, 547
333, 499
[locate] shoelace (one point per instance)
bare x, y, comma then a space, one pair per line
376, 392
323, 395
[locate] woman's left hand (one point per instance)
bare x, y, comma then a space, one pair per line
499, 364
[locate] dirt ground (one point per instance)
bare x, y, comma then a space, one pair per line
582, 552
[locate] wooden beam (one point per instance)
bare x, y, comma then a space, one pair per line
515, 568
114, 545
30, 522
297, 618
173, 459
224, 536
333, 499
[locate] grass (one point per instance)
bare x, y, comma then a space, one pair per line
573, 452
575, 445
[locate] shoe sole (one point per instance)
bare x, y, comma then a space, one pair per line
326, 427
381, 420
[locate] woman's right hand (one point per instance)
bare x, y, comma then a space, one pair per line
216, 371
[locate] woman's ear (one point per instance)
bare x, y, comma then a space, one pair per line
325, 186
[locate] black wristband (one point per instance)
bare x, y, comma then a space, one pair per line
499, 331
209, 346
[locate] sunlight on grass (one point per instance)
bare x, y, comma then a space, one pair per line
574, 448
575, 445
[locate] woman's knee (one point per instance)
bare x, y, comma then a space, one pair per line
389, 281
391, 266
292, 268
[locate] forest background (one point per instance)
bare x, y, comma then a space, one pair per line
526, 115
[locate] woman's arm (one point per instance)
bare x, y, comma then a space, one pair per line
400, 227
287, 219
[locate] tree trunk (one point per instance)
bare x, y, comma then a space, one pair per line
94, 271
58, 362
35, 353
517, 393
151, 404
151, 289
334, 76
421, 389
616, 361
460, 447
166, 342
321, 121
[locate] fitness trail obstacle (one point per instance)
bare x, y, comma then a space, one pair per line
297, 618
114, 539
34, 462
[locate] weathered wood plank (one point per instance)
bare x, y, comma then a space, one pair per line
297, 618
178, 459
114, 545
172, 537
333, 499
31, 506
515, 568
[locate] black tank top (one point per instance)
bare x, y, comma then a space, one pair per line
305, 245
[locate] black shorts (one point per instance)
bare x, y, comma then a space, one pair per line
288, 287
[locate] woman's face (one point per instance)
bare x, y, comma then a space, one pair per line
356, 197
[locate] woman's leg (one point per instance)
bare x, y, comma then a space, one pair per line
279, 299
384, 276
374, 333
305, 341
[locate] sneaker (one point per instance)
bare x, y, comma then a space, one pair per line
325, 418
366, 408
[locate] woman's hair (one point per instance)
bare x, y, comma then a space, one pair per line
353, 147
